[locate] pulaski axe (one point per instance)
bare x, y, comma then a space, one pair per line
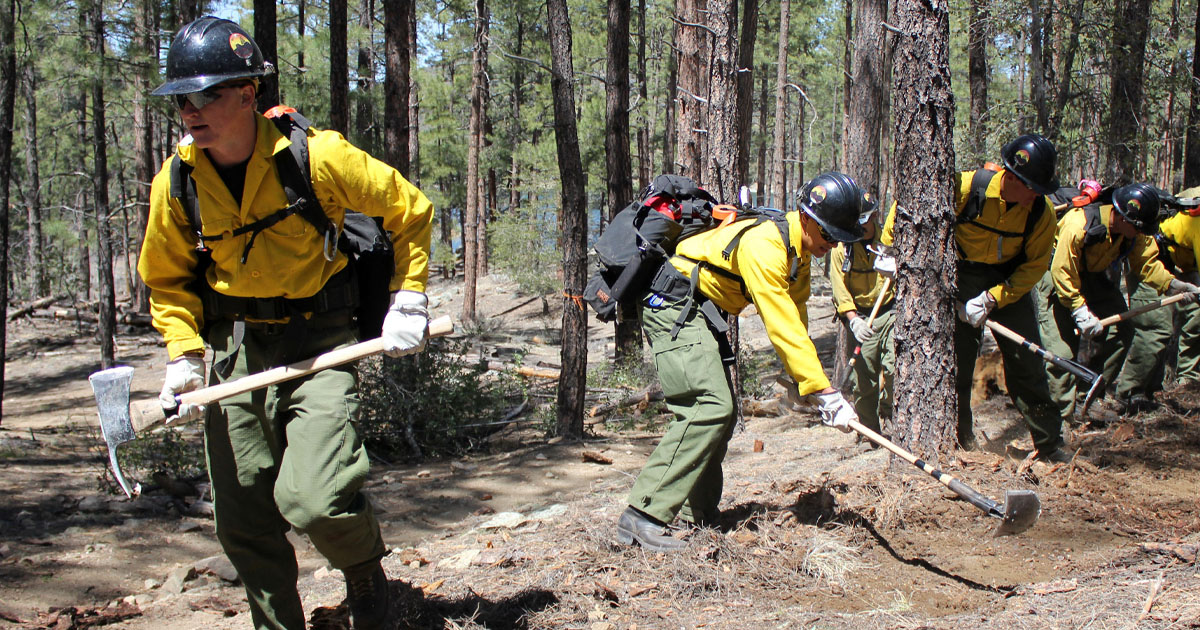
1095, 381
121, 421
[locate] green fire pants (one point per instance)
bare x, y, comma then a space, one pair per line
287, 456
877, 358
683, 475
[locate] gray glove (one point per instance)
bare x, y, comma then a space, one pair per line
835, 410
1087, 322
184, 374
861, 329
1179, 286
406, 325
885, 265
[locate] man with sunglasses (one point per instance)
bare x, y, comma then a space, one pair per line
681, 320
287, 456
1091, 246
1003, 231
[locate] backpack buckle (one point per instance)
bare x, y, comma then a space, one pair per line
329, 248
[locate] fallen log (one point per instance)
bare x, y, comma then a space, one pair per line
648, 395
34, 305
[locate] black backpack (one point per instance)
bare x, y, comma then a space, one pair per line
974, 206
642, 236
362, 239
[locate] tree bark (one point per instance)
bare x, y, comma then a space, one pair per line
471, 219
643, 121
339, 69
8, 90
670, 112
572, 384
764, 132
264, 36
1191, 163
414, 104
35, 240
515, 99
1130, 25
365, 128
720, 158
146, 71
977, 78
395, 85
104, 250
690, 92
925, 406
628, 336
1066, 71
745, 88
779, 174
1037, 70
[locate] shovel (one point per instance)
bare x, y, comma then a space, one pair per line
121, 421
1021, 507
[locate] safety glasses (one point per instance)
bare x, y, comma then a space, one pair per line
203, 97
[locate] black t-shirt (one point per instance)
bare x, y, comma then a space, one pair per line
234, 178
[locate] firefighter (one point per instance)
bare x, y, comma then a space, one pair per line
288, 456
683, 475
1003, 232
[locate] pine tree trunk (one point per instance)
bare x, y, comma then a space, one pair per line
8, 90
39, 280
643, 123
143, 134
628, 335
572, 381
670, 111
690, 89
745, 88
471, 219
395, 85
763, 132
364, 111
779, 174
977, 78
1191, 163
264, 36
339, 69
104, 250
515, 99
1066, 71
925, 407
1037, 71
414, 104
1131, 23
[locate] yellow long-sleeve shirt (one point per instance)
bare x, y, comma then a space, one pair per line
1071, 253
1183, 232
856, 288
761, 261
287, 259
977, 244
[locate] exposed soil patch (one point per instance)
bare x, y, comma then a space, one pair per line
816, 530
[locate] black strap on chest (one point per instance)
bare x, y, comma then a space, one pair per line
848, 259
1095, 232
1165, 243
974, 207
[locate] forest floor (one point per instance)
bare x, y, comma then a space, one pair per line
817, 530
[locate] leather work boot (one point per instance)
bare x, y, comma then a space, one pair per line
368, 595
635, 525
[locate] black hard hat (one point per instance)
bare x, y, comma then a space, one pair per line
835, 202
209, 51
1032, 158
1138, 204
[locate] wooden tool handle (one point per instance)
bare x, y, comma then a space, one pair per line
149, 413
1134, 312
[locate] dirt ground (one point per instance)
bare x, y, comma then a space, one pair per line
817, 530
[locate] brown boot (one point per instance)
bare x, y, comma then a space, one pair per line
368, 595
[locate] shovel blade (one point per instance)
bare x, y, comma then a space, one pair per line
111, 387
1021, 510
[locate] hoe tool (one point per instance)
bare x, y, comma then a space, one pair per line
1021, 507
1134, 312
1095, 381
121, 421
870, 322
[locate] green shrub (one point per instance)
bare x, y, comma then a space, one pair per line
523, 243
431, 403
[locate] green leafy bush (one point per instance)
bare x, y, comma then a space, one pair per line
431, 403
524, 245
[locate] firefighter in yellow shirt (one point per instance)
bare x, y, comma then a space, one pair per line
276, 289
1178, 241
1091, 246
856, 285
1003, 233
682, 321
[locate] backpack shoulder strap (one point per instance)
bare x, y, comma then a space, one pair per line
1094, 230
975, 198
780, 221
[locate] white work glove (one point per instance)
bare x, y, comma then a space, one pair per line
1179, 286
1087, 322
184, 374
835, 410
976, 310
861, 329
406, 325
885, 265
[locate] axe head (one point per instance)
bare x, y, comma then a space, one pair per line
1021, 510
111, 387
